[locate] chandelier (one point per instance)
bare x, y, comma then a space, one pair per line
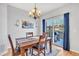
35, 13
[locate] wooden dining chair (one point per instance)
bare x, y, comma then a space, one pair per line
28, 35
45, 34
40, 46
14, 51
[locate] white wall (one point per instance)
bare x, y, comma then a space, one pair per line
3, 27
73, 9
8, 17
15, 14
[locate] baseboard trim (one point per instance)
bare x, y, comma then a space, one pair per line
5, 52
75, 51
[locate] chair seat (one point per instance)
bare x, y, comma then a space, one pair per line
36, 47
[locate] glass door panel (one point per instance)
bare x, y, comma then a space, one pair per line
55, 28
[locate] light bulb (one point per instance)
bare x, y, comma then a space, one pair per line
30, 13
33, 10
38, 12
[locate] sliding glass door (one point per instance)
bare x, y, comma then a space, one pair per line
55, 28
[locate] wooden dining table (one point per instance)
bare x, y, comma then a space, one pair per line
25, 43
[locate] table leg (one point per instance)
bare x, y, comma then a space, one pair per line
26, 51
50, 43
22, 52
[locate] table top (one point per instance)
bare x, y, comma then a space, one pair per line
27, 41
24, 39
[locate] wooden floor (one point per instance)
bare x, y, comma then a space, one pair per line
61, 53
66, 53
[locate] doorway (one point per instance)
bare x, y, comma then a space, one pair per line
55, 28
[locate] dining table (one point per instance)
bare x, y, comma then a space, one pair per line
26, 43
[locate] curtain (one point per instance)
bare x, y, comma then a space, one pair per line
43, 25
66, 43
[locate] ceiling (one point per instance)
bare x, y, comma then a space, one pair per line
43, 7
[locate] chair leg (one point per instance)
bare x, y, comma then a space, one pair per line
44, 52
38, 53
29, 51
32, 52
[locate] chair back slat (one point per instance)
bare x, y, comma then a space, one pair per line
41, 39
29, 34
45, 34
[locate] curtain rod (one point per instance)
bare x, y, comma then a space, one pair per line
54, 16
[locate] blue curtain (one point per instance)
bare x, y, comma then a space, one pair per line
43, 25
66, 43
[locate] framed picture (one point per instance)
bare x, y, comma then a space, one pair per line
27, 25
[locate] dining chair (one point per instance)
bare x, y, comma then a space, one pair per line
40, 46
28, 35
15, 52
45, 34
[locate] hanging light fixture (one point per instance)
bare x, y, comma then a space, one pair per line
35, 13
